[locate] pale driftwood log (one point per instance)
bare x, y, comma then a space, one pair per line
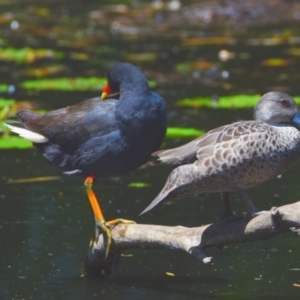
192, 240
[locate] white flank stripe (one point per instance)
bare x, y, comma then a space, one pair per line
27, 134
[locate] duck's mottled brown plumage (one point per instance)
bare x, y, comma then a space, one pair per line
235, 156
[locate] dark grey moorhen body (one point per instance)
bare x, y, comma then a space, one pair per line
237, 156
98, 138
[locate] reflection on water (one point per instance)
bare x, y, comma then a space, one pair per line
46, 226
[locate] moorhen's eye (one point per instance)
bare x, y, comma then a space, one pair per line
283, 102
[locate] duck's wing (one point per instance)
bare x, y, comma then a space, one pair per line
72, 125
228, 144
204, 145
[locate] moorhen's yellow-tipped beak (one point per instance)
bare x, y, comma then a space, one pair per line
104, 95
106, 91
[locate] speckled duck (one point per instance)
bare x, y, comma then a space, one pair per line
237, 156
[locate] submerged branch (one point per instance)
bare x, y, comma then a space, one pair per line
192, 240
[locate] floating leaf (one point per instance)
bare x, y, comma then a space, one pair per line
209, 40
4, 112
297, 99
66, 84
104, 49
152, 84
183, 67
3, 88
275, 62
6, 102
126, 255
178, 132
5, 108
139, 185
45, 70
141, 57
224, 102
79, 56
11, 142
10, 107
28, 55
266, 41
196, 102
237, 101
192, 65
294, 51
70, 84
170, 274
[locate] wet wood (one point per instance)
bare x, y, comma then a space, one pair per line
191, 240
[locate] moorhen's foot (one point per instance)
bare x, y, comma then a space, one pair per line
106, 228
119, 221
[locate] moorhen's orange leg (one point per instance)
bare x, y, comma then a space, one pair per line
98, 215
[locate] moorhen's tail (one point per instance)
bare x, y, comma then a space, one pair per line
21, 128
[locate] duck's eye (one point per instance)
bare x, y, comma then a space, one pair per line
283, 102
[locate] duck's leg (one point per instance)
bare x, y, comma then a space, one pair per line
98, 215
228, 214
249, 205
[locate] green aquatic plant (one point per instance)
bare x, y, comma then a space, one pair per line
3, 88
65, 84
13, 142
179, 132
196, 102
28, 55
224, 102
8, 140
139, 185
6, 102
297, 99
69, 84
